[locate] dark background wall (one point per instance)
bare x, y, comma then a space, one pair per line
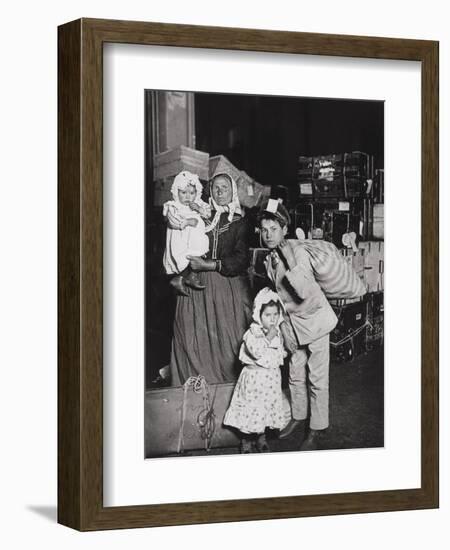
265, 135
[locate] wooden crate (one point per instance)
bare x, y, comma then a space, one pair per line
170, 163
220, 164
250, 192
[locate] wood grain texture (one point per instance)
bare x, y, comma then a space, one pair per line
430, 273
80, 399
69, 243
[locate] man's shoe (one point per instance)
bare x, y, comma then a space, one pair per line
311, 442
293, 426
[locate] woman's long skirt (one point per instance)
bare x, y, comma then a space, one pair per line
208, 329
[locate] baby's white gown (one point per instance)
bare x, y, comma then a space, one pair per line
190, 241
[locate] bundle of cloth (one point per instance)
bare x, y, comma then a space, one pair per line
335, 276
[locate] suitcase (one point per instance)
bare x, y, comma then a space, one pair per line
305, 168
349, 338
315, 219
321, 176
329, 188
328, 167
189, 417
357, 165
356, 187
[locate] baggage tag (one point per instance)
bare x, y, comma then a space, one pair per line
306, 189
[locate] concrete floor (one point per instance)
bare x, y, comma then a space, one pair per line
356, 409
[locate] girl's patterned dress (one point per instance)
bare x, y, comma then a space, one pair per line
258, 401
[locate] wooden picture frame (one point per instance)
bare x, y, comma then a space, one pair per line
80, 271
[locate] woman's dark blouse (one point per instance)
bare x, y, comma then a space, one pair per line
229, 242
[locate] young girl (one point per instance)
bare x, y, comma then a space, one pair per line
187, 236
258, 402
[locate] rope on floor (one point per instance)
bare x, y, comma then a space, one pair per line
206, 419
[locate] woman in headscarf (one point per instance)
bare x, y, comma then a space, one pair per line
209, 324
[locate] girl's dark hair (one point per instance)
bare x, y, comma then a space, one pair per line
269, 304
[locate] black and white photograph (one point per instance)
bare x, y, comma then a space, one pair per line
195, 276
264, 263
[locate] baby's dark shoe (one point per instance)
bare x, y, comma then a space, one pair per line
192, 280
178, 285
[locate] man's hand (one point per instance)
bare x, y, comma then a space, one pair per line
290, 342
199, 264
285, 250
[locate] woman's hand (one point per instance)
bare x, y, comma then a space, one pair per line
285, 249
200, 264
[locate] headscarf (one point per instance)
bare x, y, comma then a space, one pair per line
182, 180
233, 207
265, 296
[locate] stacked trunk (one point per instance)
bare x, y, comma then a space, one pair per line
336, 176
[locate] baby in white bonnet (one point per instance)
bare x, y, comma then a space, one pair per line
187, 235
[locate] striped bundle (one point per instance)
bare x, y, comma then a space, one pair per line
335, 276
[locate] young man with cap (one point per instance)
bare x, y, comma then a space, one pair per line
309, 321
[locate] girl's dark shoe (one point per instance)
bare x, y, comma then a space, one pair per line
262, 445
246, 446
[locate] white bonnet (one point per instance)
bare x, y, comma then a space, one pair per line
265, 296
182, 180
